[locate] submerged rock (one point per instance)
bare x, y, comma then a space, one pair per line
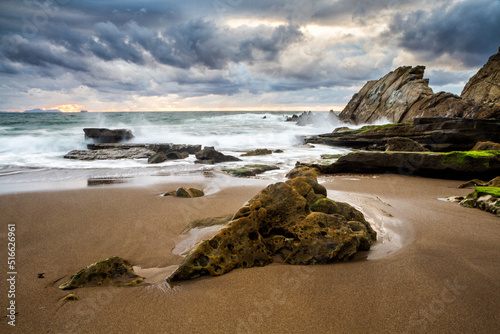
279, 221
110, 154
249, 170
161, 156
113, 270
210, 156
103, 135
259, 151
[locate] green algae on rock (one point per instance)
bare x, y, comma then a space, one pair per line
113, 270
454, 165
279, 221
249, 170
259, 151
484, 198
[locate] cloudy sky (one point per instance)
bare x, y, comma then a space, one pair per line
121, 55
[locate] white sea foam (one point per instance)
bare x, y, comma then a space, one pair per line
32, 147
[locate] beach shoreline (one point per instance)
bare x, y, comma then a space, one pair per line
435, 267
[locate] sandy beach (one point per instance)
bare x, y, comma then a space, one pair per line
434, 269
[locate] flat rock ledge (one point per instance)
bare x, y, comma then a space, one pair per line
439, 134
293, 220
463, 165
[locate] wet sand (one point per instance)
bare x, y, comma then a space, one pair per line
435, 268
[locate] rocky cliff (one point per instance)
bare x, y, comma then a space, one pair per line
484, 87
404, 94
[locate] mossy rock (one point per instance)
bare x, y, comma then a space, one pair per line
305, 171
114, 270
249, 170
278, 221
259, 151
185, 192
482, 191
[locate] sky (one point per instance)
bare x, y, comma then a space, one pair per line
122, 55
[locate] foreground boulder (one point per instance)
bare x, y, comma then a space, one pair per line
280, 221
103, 135
210, 156
453, 165
113, 270
435, 134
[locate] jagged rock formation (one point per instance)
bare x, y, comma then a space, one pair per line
403, 95
435, 134
103, 135
453, 165
113, 270
484, 86
292, 219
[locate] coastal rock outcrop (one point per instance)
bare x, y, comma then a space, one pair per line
103, 135
279, 221
435, 134
484, 86
210, 156
113, 270
453, 165
403, 95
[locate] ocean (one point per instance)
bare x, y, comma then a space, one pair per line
32, 146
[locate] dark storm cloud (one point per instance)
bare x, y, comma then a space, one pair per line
198, 47
468, 31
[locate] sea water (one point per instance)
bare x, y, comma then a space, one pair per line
32, 146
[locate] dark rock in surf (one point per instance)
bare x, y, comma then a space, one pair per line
103, 135
210, 156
